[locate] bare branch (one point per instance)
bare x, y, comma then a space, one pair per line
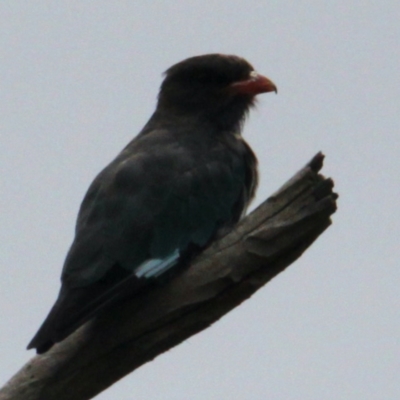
227, 273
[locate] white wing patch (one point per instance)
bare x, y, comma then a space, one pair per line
156, 266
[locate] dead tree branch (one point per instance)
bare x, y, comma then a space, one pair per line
227, 273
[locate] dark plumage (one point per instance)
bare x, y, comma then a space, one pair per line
185, 179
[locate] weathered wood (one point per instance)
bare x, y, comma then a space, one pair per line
227, 273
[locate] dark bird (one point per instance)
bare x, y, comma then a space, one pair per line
186, 179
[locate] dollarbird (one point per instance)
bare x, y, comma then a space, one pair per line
183, 181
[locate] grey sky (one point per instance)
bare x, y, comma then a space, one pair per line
80, 78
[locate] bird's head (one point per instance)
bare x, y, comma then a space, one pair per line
221, 88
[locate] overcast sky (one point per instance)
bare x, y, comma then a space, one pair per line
79, 79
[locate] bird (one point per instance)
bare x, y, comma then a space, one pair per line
185, 180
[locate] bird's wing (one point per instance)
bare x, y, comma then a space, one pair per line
138, 217
151, 205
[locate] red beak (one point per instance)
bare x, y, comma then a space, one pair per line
256, 84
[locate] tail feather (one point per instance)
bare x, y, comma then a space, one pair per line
74, 307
